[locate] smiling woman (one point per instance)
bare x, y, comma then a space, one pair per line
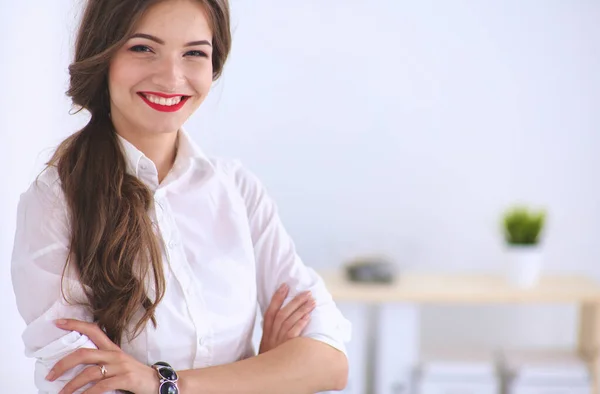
167, 65
152, 255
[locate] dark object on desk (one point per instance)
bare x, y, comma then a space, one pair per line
370, 271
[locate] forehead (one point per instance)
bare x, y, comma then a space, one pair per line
176, 19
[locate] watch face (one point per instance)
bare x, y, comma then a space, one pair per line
168, 388
168, 373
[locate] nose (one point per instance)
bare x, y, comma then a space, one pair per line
169, 74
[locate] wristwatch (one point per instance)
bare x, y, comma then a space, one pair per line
168, 378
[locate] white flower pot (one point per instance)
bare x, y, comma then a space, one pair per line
524, 265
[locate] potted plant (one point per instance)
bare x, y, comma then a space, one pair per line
522, 232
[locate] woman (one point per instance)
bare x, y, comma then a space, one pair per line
138, 261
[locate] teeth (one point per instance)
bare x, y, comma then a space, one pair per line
163, 101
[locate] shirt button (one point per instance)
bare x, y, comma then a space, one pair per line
143, 166
172, 244
201, 341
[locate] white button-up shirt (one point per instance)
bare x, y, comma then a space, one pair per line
225, 252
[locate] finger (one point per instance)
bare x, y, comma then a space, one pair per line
274, 307
287, 310
295, 317
91, 330
88, 375
295, 331
110, 384
80, 356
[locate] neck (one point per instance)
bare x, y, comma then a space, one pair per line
160, 148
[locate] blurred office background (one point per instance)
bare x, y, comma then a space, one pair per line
393, 127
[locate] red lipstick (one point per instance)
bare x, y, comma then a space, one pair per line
164, 108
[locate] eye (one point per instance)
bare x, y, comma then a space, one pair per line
140, 48
196, 53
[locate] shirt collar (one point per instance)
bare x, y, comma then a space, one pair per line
188, 153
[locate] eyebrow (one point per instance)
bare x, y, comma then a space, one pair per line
162, 42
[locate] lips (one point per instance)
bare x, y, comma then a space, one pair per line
164, 102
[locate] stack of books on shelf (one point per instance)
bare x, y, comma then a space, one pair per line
541, 371
457, 371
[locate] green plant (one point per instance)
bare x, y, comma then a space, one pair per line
523, 226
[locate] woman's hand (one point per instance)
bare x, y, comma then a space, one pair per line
281, 324
123, 372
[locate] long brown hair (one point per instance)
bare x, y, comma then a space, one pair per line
113, 243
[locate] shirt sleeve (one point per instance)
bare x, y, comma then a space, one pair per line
38, 259
278, 262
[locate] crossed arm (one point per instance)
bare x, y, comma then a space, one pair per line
286, 363
299, 366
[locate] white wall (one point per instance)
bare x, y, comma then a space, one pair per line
34, 54
394, 126
406, 127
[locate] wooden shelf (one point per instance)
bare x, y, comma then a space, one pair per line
469, 289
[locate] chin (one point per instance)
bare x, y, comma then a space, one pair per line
162, 127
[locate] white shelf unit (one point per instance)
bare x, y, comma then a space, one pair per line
398, 306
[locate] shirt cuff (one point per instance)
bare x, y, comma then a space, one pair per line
331, 342
331, 327
49, 355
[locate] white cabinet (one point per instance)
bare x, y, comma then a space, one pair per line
397, 347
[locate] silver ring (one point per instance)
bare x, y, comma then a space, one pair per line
103, 370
